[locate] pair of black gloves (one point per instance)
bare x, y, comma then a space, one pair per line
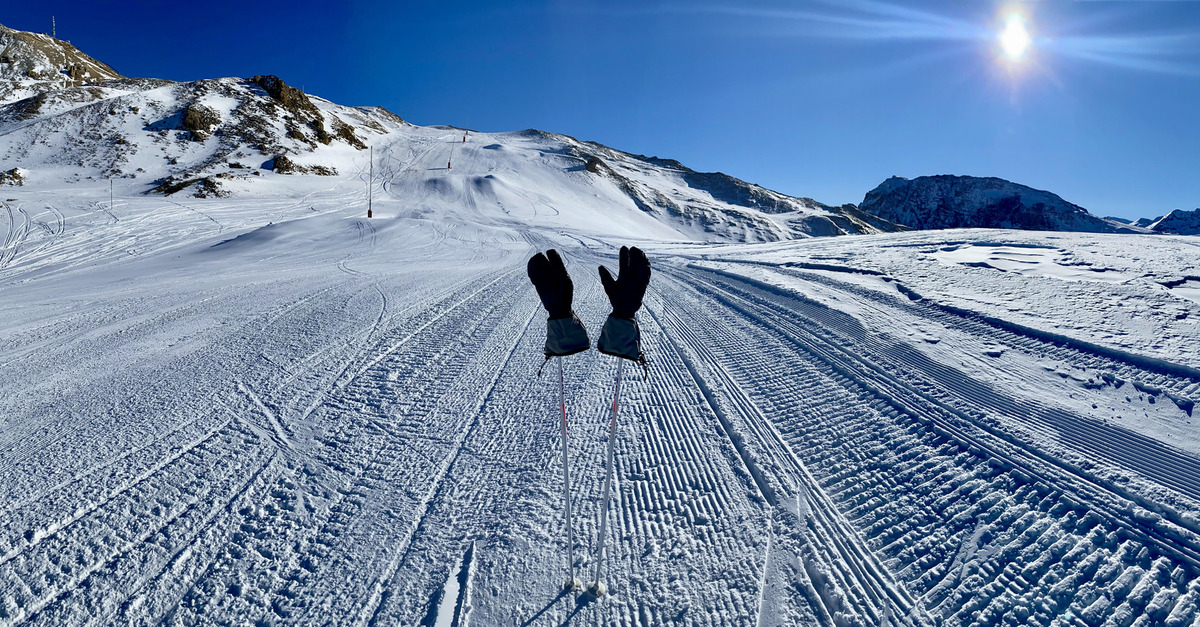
565, 334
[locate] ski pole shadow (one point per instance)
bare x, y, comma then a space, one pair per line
581, 602
545, 609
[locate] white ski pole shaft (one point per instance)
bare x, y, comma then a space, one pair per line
598, 587
562, 403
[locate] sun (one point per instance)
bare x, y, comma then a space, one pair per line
1014, 39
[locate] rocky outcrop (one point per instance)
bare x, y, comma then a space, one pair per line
199, 120
302, 114
289, 97
283, 165
12, 177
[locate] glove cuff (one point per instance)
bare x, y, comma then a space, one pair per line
621, 337
566, 336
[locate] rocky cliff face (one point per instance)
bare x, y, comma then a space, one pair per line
951, 202
1179, 222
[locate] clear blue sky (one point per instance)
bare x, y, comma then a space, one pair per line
819, 99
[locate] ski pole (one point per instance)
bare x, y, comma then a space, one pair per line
598, 589
572, 582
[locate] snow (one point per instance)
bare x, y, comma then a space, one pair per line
269, 409
1033, 261
1189, 289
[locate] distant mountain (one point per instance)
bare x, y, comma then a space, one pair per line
65, 117
952, 202
1146, 222
1179, 222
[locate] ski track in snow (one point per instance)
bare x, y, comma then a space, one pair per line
278, 412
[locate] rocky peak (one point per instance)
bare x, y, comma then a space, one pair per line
31, 63
951, 202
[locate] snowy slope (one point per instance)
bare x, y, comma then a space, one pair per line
955, 202
276, 410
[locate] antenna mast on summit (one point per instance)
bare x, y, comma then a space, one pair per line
53, 28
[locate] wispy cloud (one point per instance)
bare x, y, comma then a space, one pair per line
880, 20
1166, 54
849, 19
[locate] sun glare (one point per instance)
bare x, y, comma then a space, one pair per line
1014, 39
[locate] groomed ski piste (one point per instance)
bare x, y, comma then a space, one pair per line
268, 409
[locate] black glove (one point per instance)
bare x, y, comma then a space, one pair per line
565, 334
553, 284
620, 336
627, 290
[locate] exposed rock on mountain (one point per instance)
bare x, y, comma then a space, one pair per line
1179, 222
12, 177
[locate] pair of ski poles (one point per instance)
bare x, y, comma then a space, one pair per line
597, 588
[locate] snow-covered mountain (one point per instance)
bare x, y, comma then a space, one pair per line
1178, 222
67, 117
950, 202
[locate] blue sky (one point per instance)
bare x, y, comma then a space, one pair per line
818, 99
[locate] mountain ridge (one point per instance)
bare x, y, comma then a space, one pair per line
948, 201
218, 137
1178, 222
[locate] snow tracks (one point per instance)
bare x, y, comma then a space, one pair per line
909, 462
293, 494
368, 444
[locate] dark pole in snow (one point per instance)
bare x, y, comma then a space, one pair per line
370, 181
